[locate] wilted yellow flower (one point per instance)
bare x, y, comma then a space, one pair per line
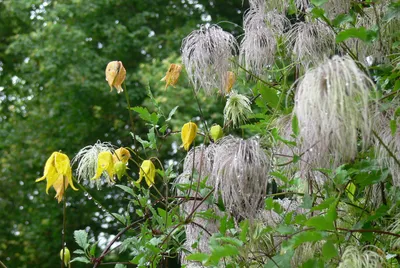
122, 155
172, 76
119, 169
216, 132
148, 171
57, 170
115, 75
105, 163
67, 256
188, 133
230, 80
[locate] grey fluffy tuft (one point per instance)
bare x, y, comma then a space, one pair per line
310, 43
240, 171
206, 54
333, 111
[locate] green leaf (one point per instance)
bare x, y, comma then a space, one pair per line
329, 251
269, 95
127, 189
120, 218
244, 226
280, 176
360, 33
145, 115
93, 249
318, 3
295, 125
224, 251
172, 113
81, 238
285, 229
350, 191
81, 259
320, 223
79, 251
324, 204
200, 257
269, 203
307, 236
393, 126
342, 18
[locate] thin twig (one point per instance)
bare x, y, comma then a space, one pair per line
64, 225
386, 147
2, 264
107, 249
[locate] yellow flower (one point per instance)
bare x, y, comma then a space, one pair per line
115, 75
105, 163
122, 155
230, 80
188, 133
147, 170
57, 170
67, 256
172, 76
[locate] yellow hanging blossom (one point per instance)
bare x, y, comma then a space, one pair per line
57, 170
230, 80
147, 170
120, 169
122, 155
67, 256
188, 133
115, 75
105, 163
172, 76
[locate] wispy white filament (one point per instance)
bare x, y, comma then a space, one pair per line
207, 54
261, 28
87, 161
240, 172
333, 111
310, 43
365, 257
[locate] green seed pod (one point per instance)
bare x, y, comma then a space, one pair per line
67, 256
216, 132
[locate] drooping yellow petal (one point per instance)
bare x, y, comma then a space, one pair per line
172, 75
60, 189
69, 178
61, 163
115, 75
148, 171
120, 78
105, 163
52, 177
188, 134
49, 164
121, 154
230, 80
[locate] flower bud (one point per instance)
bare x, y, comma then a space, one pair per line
121, 154
230, 81
188, 133
120, 169
148, 171
172, 76
115, 75
67, 255
216, 132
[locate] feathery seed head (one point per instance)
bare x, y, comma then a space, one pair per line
237, 109
357, 257
240, 171
310, 43
87, 161
333, 110
206, 54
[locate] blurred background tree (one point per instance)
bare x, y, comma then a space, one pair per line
53, 97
